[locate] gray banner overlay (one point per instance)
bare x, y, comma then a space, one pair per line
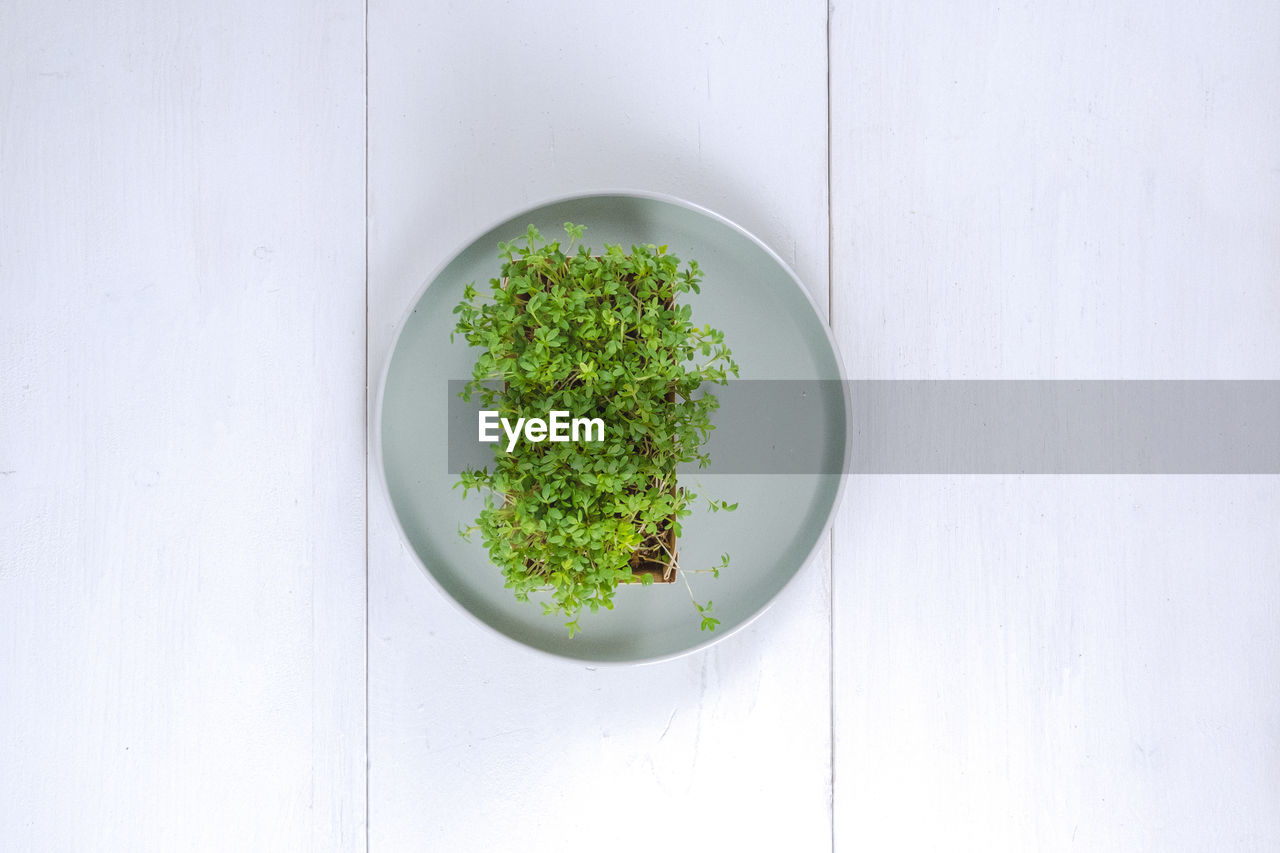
972, 427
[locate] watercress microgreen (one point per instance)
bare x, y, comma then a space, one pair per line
598, 335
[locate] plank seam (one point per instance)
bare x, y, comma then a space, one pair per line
366, 426
831, 539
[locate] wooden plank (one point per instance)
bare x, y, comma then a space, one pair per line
1084, 191
473, 116
181, 370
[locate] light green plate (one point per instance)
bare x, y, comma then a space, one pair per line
775, 332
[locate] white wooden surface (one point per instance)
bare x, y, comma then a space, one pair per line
475, 744
181, 426
1071, 191
1017, 192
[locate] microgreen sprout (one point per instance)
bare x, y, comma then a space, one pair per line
601, 335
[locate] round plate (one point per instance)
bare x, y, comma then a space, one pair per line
775, 332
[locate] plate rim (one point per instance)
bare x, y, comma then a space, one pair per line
375, 424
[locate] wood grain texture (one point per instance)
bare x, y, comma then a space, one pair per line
181, 426
1085, 192
474, 113
1057, 192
